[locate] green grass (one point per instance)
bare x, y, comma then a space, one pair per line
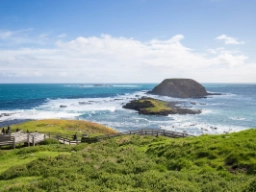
14, 158
156, 105
17, 183
63, 126
136, 163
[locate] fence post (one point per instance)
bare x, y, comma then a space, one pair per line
33, 140
13, 142
28, 139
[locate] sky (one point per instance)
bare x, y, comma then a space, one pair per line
127, 41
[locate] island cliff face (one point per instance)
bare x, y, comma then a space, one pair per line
181, 88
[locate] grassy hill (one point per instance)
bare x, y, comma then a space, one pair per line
64, 127
150, 106
135, 163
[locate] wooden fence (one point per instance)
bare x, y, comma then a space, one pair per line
7, 140
150, 132
18, 137
64, 138
33, 138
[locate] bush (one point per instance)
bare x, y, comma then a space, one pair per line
251, 187
49, 141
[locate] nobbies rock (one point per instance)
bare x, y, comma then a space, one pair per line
150, 106
181, 88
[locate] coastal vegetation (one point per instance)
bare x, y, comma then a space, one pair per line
150, 106
64, 127
135, 163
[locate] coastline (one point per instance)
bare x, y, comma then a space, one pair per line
233, 110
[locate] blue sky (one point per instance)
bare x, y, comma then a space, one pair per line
127, 40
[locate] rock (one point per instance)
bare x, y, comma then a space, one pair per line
150, 106
63, 106
5, 114
181, 88
84, 103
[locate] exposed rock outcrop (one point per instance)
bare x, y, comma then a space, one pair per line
181, 88
150, 106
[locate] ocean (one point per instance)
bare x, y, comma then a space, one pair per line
232, 111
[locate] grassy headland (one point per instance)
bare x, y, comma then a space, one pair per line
64, 127
135, 163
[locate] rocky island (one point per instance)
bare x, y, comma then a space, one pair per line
150, 106
180, 88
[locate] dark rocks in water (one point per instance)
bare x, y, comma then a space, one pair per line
5, 114
63, 106
84, 103
180, 88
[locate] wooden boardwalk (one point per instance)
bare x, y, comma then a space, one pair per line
33, 138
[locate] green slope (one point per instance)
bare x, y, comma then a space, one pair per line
135, 163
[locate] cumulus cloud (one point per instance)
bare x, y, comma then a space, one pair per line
229, 40
120, 59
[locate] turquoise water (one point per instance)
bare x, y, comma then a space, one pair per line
234, 110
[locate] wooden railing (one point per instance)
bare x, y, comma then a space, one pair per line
7, 140
64, 138
150, 132
34, 138
18, 137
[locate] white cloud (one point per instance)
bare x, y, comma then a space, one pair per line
119, 59
229, 40
43, 36
5, 34
62, 35
22, 37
